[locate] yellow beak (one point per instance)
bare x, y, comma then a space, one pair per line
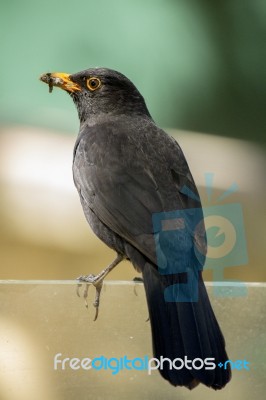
60, 79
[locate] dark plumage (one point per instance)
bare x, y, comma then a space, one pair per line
126, 169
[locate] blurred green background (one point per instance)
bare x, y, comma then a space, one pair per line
199, 64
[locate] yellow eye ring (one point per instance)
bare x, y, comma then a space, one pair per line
93, 83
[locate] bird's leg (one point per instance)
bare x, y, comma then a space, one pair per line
97, 282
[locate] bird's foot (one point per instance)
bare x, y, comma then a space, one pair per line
97, 282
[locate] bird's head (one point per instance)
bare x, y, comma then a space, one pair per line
99, 91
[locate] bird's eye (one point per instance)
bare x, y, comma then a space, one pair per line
93, 83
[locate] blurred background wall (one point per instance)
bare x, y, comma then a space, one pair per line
201, 67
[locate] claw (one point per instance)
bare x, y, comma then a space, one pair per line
79, 285
96, 303
137, 279
85, 295
97, 282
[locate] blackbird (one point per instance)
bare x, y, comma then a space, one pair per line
140, 199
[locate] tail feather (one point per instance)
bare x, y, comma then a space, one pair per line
185, 329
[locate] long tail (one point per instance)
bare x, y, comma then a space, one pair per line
185, 329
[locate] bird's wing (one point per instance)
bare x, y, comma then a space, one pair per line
125, 179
